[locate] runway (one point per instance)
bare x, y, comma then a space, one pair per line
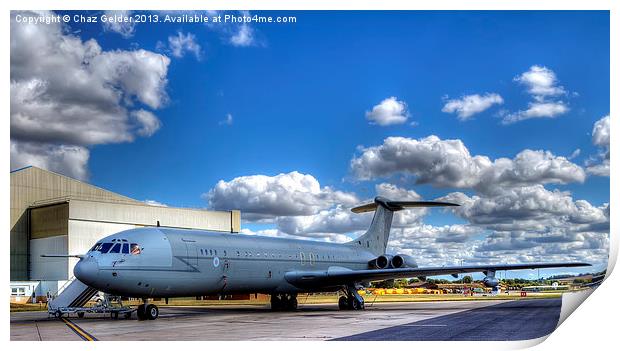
454, 320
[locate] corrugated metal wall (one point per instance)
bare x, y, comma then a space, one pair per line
146, 215
33, 185
48, 221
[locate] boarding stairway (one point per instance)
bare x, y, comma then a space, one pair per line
71, 295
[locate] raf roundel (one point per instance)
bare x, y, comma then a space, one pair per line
216, 262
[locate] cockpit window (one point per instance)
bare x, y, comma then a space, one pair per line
96, 247
116, 248
105, 247
125, 248
135, 249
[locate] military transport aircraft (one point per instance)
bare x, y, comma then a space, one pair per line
156, 262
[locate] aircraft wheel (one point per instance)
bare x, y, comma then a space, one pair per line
114, 315
343, 304
276, 303
57, 314
357, 305
140, 313
152, 312
292, 304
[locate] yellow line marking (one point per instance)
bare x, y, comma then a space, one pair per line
78, 330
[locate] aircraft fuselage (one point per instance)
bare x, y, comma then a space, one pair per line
176, 262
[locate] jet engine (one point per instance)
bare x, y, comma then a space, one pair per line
403, 261
382, 262
490, 282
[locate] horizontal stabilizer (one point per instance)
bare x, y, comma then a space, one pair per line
398, 205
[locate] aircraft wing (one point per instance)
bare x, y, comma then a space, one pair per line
341, 276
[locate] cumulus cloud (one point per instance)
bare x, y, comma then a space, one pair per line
600, 169
285, 194
181, 44
599, 165
448, 163
537, 110
69, 160
469, 105
520, 224
68, 94
388, 112
525, 208
541, 82
530, 223
148, 124
542, 85
601, 132
126, 29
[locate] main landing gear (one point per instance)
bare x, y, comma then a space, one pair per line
283, 302
147, 311
352, 300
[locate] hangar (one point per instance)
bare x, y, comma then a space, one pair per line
55, 214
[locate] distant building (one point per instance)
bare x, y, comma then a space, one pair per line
55, 214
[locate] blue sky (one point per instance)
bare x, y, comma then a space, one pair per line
298, 102
299, 96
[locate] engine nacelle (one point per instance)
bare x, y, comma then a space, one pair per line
403, 261
382, 262
490, 282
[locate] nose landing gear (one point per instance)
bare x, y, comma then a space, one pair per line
283, 302
147, 311
352, 301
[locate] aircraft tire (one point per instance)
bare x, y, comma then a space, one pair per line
276, 303
343, 304
292, 305
140, 313
152, 312
58, 314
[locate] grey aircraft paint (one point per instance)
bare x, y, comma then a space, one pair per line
176, 263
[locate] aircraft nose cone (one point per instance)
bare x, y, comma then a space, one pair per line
86, 271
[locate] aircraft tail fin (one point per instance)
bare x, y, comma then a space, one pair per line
376, 237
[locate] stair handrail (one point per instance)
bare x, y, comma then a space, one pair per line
63, 287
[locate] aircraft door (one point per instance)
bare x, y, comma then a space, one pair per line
191, 256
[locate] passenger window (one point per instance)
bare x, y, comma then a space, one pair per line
215, 251
105, 247
125, 248
135, 249
116, 248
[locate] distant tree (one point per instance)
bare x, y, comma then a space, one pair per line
414, 280
400, 283
386, 284
467, 279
